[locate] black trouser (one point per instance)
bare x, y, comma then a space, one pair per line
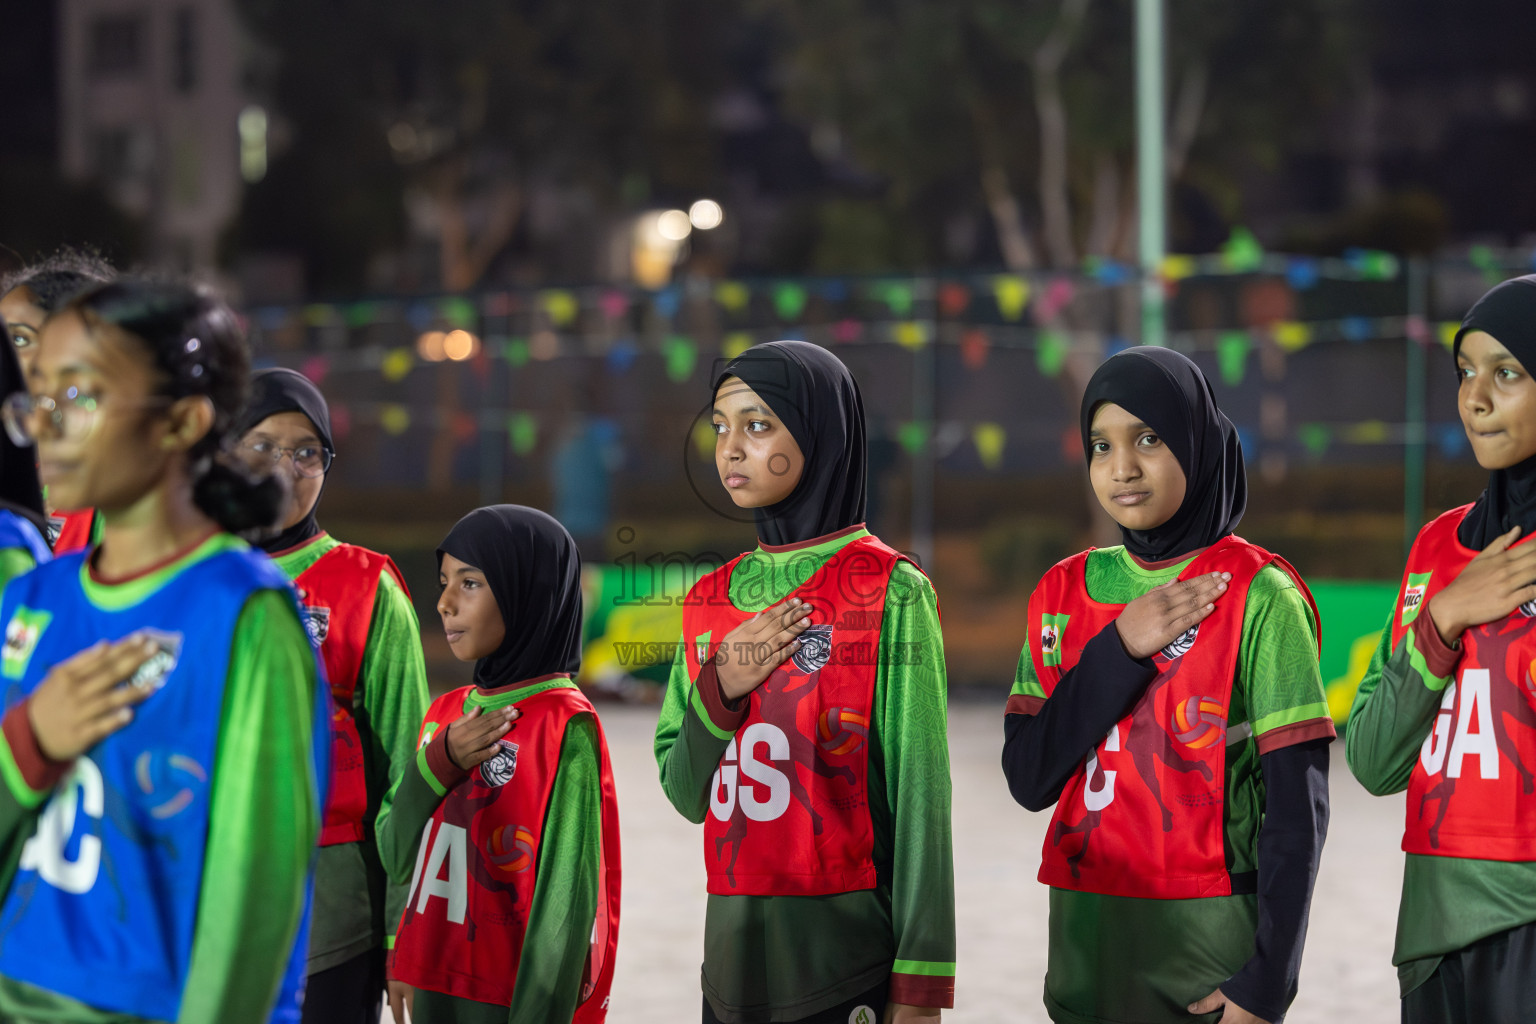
349, 993
1492, 981
842, 1013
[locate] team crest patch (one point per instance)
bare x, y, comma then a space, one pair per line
153, 673
498, 769
21, 636
701, 646
317, 623
1529, 609
862, 1015
55, 527
815, 649
1053, 629
1181, 646
1413, 595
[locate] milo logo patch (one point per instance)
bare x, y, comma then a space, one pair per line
1181, 646
815, 649
157, 669
498, 769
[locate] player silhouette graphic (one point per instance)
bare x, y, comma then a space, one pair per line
780, 699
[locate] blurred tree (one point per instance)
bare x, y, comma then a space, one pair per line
1030, 106
451, 119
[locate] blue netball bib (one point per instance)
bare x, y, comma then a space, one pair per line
104, 903
17, 532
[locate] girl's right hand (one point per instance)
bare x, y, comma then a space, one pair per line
474, 737
81, 700
1493, 584
1167, 611
402, 1001
750, 652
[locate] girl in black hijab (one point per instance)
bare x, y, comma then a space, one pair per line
824, 643
1168, 703
359, 614
530, 922
1457, 651
23, 525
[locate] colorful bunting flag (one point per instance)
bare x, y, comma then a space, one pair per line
1232, 356
735, 343
704, 439
397, 364
897, 295
681, 353
613, 303
395, 419
911, 334
989, 439
954, 297
1292, 335
788, 300
1315, 438
316, 368
847, 331
1051, 352
516, 351
1242, 253
733, 296
974, 346
458, 312
523, 430
1012, 295
913, 436
561, 306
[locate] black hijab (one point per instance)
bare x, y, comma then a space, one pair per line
1508, 313
1168, 393
534, 572
20, 491
817, 398
281, 390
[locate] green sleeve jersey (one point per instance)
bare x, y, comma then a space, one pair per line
1448, 903
356, 907
14, 562
264, 820
1173, 952
564, 907
790, 956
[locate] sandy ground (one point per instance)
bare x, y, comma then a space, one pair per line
1347, 973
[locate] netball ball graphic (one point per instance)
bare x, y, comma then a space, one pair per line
841, 730
509, 849
169, 782
1199, 722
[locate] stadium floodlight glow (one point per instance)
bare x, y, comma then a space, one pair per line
432, 346
706, 215
674, 225
460, 345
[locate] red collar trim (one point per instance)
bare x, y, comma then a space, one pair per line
802, 544
170, 559
1167, 563
524, 682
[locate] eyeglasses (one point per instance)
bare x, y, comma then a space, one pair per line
71, 415
308, 460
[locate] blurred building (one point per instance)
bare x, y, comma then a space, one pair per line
149, 102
